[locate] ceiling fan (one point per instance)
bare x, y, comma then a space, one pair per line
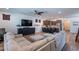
38, 12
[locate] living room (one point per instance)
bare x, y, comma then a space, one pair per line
48, 20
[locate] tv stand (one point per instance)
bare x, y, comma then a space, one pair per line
26, 30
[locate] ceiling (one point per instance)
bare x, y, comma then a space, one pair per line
49, 12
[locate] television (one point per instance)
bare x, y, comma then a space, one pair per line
25, 22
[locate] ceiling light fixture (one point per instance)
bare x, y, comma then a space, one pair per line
7, 8
59, 12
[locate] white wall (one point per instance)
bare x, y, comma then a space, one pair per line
15, 19
73, 20
74, 24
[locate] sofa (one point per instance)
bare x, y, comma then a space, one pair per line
20, 43
2, 32
60, 39
51, 42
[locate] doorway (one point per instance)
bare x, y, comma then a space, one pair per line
67, 25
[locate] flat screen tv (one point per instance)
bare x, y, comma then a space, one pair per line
25, 22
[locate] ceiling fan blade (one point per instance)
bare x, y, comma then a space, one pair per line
35, 11
41, 12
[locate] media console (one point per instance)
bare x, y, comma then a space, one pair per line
26, 31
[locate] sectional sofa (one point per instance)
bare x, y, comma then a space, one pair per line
19, 43
42, 42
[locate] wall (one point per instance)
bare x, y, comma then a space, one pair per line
74, 19
15, 19
73, 24
66, 24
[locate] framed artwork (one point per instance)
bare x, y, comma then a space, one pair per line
6, 17
39, 21
36, 20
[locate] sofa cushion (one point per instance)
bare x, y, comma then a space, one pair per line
22, 41
47, 34
28, 38
36, 37
38, 44
49, 38
14, 46
27, 48
18, 35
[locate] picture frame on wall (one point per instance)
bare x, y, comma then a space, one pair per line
6, 17
36, 20
39, 21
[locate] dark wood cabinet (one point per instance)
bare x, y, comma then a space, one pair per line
51, 23
26, 31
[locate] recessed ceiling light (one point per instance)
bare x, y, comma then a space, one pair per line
59, 12
7, 8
